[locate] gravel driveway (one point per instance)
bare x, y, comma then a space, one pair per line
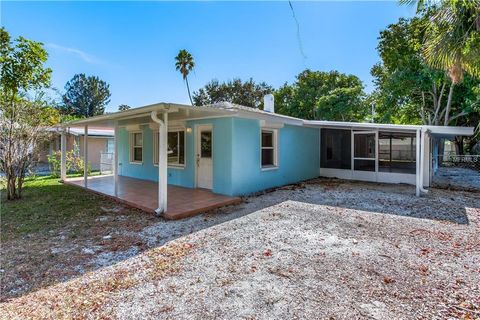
324, 249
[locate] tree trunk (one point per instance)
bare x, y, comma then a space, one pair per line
449, 104
11, 187
441, 149
20, 187
459, 144
188, 89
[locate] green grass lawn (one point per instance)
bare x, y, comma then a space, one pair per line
47, 204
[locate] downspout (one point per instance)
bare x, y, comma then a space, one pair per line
162, 165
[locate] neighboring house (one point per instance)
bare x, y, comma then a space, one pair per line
100, 140
236, 150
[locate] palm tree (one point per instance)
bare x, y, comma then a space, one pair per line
452, 40
184, 63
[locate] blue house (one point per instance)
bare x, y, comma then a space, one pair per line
235, 150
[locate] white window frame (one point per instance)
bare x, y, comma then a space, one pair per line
274, 148
132, 147
155, 149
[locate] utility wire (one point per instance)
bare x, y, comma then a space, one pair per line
299, 39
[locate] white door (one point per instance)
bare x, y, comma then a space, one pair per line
204, 159
364, 160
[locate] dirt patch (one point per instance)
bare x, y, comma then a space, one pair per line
86, 297
322, 249
40, 259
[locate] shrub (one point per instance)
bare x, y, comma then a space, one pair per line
74, 163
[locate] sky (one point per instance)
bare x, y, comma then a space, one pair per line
132, 45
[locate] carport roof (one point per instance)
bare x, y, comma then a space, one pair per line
433, 130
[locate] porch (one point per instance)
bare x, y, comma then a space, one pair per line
143, 194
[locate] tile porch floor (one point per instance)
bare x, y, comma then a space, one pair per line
143, 194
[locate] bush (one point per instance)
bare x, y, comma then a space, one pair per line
74, 163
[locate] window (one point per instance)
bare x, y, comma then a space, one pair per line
336, 149
175, 148
136, 147
396, 152
269, 148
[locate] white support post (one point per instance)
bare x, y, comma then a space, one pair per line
115, 158
162, 167
417, 164
63, 158
162, 161
422, 161
85, 157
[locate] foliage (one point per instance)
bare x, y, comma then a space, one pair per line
408, 90
74, 163
85, 96
123, 107
184, 63
22, 118
246, 93
452, 39
69, 117
323, 95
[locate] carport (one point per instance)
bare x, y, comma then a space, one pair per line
381, 152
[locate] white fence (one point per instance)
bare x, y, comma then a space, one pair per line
106, 163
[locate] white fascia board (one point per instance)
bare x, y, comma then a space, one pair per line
359, 125
271, 125
127, 114
449, 131
440, 130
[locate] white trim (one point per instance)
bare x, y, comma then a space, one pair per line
274, 148
437, 130
271, 125
131, 147
384, 177
132, 127
364, 175
115, 159
85, 157
417, 163
63, 158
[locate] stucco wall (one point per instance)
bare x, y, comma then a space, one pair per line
298, 157
222, 152
95, 147
236, 156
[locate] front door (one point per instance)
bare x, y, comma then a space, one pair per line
364, 162
204, 160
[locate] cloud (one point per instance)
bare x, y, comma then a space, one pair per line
79, 53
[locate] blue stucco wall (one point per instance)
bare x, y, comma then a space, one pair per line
298, 157
236, 156
222, 156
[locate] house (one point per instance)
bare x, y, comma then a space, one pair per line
234, 150
100, 141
